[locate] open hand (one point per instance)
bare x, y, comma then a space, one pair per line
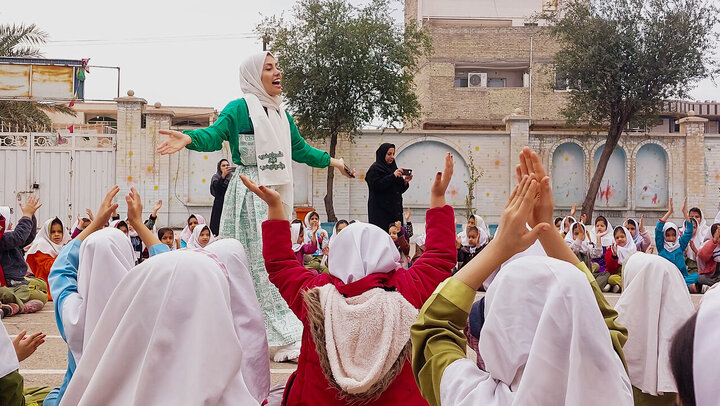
25, 346
513, 223
441, 182
175, 142
407, 215
107, 207
641, 227
671, 210
269, 196
157, 207
90, 214
134, 206
529, 165
31, 205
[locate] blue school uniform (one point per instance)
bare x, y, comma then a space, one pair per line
676, 257
63, 282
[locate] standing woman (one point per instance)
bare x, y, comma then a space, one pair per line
218, 186
386, 183
263, 138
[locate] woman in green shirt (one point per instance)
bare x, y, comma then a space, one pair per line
263, 140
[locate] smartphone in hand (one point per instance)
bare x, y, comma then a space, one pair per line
348, 171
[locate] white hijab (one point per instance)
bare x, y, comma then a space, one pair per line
544, 341
483, 232
671, 246
247, 316
154, 347
105, 257
607, 239
186, 233
360, 250
628, 249
637, 237
194, 238
705, 352
654, 303
44, 244
571, 220
273, 147
535, 249
295, 235
702, 234
8, 357
584, 244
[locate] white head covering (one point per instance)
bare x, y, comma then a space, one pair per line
705, 351
607, 239
105, 257
628, 249
44, 244
583, 244
484, 232
654, 303
525, 351
295, 235
8, 357
247, 316
702, 234
362, 249
535, 249
194, 238
637, 238
571, 220
153, 347
671, 246
272, 130
186, 233
5, 212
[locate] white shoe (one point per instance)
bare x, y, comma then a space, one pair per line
290, 352
606, 288
616, 289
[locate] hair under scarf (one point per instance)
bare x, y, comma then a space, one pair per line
162, 342
295, 229
654, 303
527, 357
44, 244
624, 252
360, 250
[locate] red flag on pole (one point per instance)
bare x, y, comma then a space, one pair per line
70, 128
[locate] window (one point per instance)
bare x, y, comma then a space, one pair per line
496, 82
651, 183
499, 76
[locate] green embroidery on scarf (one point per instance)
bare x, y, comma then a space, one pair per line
273, 163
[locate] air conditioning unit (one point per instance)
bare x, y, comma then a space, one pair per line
477, 79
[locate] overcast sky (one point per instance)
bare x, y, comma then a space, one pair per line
178, 53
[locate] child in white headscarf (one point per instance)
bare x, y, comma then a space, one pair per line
45, 248
193, 221
671, 245
357, 319
579, 241
201, 237
299, 245
639, 234
709, 254
654, 304
616, 256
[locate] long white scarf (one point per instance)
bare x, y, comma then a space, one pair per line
8, 357
529, 360
247, 316
624, 252
654, 303
671, 246
606, 239
44, 244
295, 235
702, 234
273, 147
637, 237
152, 347
360, 250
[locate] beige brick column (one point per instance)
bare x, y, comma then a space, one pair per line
518, 125
694, 129
129, 140
155, 174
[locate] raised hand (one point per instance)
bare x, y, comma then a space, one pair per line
134, 207
156, 209
441, 182
90, 214
530, 165
32, 204
407, 215
269, 196
686, 215
513, 222
106, 209
25, 346
174, 143
640, 224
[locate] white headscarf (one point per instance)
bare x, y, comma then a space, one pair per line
8, 357
194, 238
702, 234
607, 239
705, 352
584, 244
527, 357
637, 238
272, 130
360, 250
186, 233
483, 232
5, 212
571, 220
654, 303
247, 316
105, 257
44, 244
671, 246
295, 235
628, 249
535, 249
154, 347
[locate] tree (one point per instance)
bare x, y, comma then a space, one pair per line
22, 41
623, 58
344, 67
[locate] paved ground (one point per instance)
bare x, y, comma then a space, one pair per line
47, 366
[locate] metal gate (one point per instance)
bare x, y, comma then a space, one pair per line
68, 172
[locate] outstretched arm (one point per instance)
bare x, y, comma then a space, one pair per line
135, 208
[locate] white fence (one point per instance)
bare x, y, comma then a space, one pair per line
69, 172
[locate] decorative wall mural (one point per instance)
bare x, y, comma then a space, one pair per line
568, 174
426, 158
613, 187
651, 183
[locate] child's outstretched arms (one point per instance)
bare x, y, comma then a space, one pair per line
135, 208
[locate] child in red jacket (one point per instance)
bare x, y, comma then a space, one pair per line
355, 344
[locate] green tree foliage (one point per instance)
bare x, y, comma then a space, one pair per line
345, 67
23, 41
622, 58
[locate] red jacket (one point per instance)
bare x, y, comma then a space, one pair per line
706, 255
611, 262
307, 385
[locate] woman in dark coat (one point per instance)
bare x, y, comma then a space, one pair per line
387, 184
218, 186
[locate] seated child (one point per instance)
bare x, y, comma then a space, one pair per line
558, 223
709, 255
615, 258
671, 247
355, 345
297, 236
312, 226
167, 237
400, 242
192, 221
567, 222
578, 239
475, 245
122, 226
603, 238
201, 237
639, 234
699, 237
45, 248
